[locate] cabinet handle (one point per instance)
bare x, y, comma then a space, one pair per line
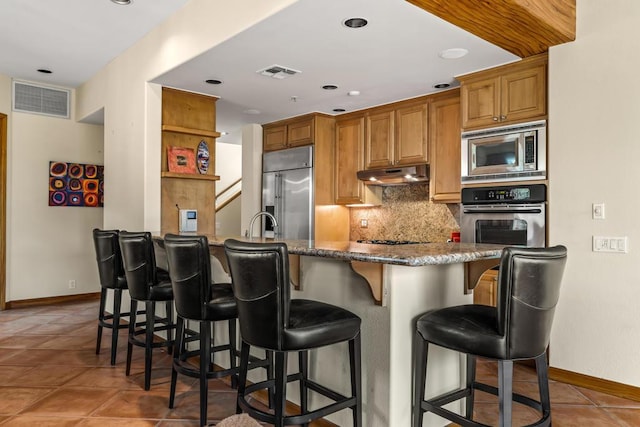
503, 117
495, 119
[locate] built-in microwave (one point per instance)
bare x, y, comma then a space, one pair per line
507, 153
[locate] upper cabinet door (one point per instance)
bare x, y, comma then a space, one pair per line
300, 133
379, 135
411, 135
481, 103
523, 94
275, 138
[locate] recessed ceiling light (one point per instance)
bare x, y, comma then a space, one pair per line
122, 2
355, 22
44, 71
213, 81
441, 85
454, 53
252, 111
339, 110
354, 92
223, 133
329, 87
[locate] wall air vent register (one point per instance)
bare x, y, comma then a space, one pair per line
32, 98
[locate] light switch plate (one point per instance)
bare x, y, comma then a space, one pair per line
610, 244
597, 211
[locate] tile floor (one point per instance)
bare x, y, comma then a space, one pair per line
51, 376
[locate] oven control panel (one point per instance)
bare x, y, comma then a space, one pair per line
512, 194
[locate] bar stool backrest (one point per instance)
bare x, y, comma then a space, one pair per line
139, 261
109, 259
260, 280
528, 291
190, 273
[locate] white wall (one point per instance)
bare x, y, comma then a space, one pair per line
58, 241
47, 246
229, 169
132, 137
251, 173
594, 147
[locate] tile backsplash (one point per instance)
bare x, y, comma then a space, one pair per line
406, 214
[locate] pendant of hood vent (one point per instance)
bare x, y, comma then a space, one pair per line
395, 176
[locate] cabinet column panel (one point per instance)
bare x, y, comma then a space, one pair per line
349, 160
444, 134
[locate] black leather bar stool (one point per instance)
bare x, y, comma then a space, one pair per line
148, 285
199, 300
270, 319
517, 329
111, 277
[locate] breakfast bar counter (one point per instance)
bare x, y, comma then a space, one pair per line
418, 254
408, 280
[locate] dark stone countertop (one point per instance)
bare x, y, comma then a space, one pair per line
410, 255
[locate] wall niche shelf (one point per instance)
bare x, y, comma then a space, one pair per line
190, 131
189, 176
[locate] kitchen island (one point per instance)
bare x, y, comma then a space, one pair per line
408, 280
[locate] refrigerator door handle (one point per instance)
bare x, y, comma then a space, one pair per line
278, 206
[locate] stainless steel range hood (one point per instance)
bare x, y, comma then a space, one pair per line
395, 176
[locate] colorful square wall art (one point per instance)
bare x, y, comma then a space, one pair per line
181, 160
76, 184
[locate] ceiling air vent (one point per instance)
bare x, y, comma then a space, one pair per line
31, 98
278, 72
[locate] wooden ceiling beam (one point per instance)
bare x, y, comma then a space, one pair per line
522, 27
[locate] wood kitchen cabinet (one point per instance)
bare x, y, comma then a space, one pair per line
411, 134
486, 291
288, 133
379, 146
504, 95
349, 159
396, 137
319, 130
311, 129
444, 141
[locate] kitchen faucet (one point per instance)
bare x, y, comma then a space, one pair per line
249, 232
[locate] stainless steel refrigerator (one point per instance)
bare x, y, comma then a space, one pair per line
287, 193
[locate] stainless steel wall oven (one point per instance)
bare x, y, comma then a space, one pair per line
507, 215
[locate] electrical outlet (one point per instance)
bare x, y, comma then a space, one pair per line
364, 223
610, 244
72, 284
597, 211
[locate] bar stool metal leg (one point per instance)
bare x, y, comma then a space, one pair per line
355, 350
420, 353
103, 303
471, 378
281, 388
132, 328
117, 303
205, 362
505, 391
303, 359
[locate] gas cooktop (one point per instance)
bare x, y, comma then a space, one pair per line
389, 242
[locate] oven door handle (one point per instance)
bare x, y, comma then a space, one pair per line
503, 211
